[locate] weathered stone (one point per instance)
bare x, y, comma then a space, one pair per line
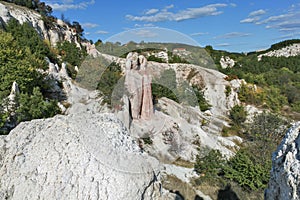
288, 51
227, 62
138, 85
52, 68
63, 71
76, 157
61, 31
285, 174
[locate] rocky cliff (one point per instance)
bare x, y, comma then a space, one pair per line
285, 180
76, 157
60, 31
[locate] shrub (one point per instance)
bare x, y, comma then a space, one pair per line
245, 172
108, 82
71, 53
165, 85
238, 115
35, 107
227, 90
210, 165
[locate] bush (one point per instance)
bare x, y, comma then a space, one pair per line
238, 115
71, 53
108, 82
210, 165
155, 59
245, 172
165, 85
35, 107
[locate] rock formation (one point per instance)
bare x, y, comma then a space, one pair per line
76, 157
60, 32
227, 62
138, 85
285, 173
291, 50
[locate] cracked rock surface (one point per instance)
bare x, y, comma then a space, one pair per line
83, 156
285, 173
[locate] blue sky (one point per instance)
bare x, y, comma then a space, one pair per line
239, 26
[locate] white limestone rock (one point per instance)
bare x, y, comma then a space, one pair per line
226, 62
285, 173
288, 51
76, 157
58, 33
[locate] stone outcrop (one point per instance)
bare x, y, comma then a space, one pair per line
227, 62
138, 85
285, 179
12, 98
291, 50
76, 157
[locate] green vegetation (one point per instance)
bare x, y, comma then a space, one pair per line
36, 5
22, 53
211, 165
195, 54
249, 169
238, 115
248, 174
165, 85
71, 54
108, 82
35, 106
277, 79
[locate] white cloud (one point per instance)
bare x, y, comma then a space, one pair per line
102, 32
233, 35
292, 25
149, 25
69, 5
189, 13
254, 16
199, 34
257, 13
169, 6
67, 1
277, 18
250, 20
151, 11
223, 45
89, 25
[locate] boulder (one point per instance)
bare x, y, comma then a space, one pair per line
86, 156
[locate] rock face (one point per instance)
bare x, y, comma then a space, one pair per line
60, 32
285, 179
292, 50
76, 157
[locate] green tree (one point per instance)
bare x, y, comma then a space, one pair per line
17, 64
210, 165
238, 115
35, 107
108, 82
248, 174
71, 53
